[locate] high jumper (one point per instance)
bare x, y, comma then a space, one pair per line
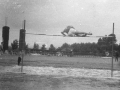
72, 32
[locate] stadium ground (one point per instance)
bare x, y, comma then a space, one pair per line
21, 81
12, 81
54, 61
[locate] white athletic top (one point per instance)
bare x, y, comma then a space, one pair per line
69, 31
72, 32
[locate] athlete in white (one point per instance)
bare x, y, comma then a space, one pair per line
72, 32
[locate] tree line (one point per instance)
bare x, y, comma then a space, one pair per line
103, 45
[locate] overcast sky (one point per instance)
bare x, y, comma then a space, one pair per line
52, 16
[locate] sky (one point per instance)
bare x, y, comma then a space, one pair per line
52, 16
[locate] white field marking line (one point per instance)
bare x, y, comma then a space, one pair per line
106, 57
67, 72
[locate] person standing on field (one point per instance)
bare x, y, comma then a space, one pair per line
19, 58
116, 56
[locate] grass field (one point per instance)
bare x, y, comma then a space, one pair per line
12, 81
76, 62
21, 81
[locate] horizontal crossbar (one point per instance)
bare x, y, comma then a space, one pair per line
68, 36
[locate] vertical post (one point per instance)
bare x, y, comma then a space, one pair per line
22, 61
24, 24
23, 45
112, 52
6, 18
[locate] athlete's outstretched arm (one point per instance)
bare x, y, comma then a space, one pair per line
63, 33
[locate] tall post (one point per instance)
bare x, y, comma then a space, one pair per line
23, 46
6, 18
112, 52
22, 61
24, 24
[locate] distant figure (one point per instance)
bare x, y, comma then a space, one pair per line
116, 56
107, 54
19, 60
72, 32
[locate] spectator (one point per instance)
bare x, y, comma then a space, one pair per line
116, 56
19, 58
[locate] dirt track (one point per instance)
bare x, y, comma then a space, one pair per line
12, 81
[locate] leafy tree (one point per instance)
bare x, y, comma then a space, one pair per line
65, 45
27, 49
76, 47
36, 46
52, 48
119, 48
105, 43
14, 45
100, 41
43, 48
58, 49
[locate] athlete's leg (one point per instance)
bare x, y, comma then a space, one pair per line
78, 32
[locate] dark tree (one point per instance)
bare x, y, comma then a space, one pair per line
27, 49
14, 45
100, 41
58, 49
36, 46
52, 48
65, 45
43, 48
76, 47
119, 48
105, 43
